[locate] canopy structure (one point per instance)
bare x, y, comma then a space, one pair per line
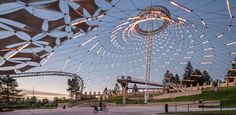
102, 39
30, 30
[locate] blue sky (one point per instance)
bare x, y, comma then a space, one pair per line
100, 61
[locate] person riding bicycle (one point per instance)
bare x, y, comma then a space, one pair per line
101, 105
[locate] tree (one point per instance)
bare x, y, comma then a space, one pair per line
33, 100
177, 80
172, 78
73, 86
45, 101
9, 93
187, 74
188, 71
197, 77
168, 77
206, 77
27, 102
200, 77
62, 100
55, 100
40, 103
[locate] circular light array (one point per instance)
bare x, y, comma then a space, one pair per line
158, 13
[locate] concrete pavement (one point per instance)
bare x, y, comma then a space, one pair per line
125, 110
128, 110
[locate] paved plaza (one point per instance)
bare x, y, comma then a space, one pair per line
131, 110
126, 110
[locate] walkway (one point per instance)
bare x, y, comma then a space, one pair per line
126, 110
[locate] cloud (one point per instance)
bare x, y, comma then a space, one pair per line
26, 91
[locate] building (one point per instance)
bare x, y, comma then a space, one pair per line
231, 74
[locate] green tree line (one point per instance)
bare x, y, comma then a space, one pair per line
190, 76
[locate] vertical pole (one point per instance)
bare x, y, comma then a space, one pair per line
166, 108
175, 108
234, 82
188, 107
197, 86
124, 92
33, 91
221, 105
8, 93
227, 82
149, 62
202, 106
124, 97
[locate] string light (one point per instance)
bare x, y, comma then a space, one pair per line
180, 6
48, 57
18, 50
89, 41
229, 9
232, 43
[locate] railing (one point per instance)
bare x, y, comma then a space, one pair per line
130, 79
176, 87
201, 106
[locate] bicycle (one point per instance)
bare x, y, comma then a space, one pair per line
95, 110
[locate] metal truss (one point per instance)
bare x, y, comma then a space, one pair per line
47, 73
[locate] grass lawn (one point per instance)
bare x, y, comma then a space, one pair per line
208, 95
224, 112
223, 94
119, 100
